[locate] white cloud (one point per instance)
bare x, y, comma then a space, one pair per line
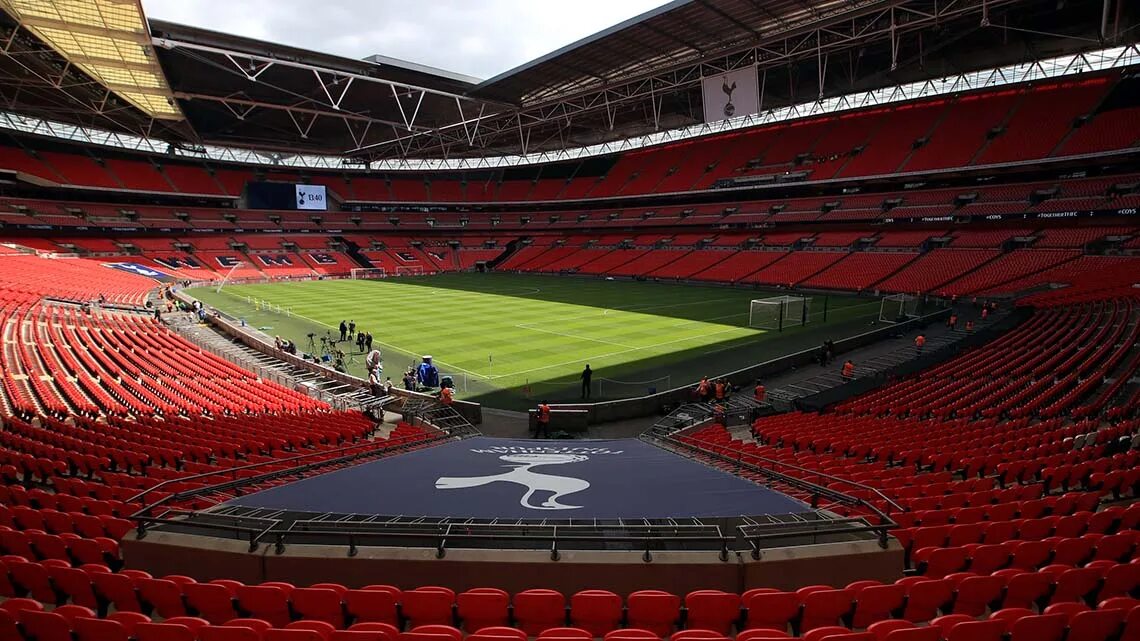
480, 38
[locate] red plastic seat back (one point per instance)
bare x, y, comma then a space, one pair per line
538, 610
483, 608
598, 611
712, 610
772, 610
428, 606
371, 606
653, 610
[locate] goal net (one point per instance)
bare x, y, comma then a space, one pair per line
898, 307
368, 273
778, 312
411, 270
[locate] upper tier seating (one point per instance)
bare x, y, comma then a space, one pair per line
1011, 266
859, 270
1077, 115
935, 268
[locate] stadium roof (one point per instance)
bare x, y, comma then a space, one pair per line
636, 78
108, 40
683, 31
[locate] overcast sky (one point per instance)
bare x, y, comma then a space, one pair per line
480, 38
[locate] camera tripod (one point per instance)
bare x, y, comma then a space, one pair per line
312, 344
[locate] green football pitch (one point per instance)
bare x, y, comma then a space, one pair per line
510, 339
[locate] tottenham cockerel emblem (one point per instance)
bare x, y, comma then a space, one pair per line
729, 108
549, 487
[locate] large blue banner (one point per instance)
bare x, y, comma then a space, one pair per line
141, 270
528, 479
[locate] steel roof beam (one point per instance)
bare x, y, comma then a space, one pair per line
171, 45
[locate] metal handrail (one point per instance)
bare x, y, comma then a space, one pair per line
857, 525
384, 446
792, 480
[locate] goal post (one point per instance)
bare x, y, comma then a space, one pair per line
368, 273
410, 270
898, 307
778, 312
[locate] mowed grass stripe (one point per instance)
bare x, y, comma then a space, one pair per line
538, 329
448, 316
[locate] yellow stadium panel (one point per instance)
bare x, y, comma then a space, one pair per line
107, 39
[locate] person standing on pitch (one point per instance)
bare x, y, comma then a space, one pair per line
351, 328
587, 374
343, 331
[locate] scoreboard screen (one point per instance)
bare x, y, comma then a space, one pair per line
264, 195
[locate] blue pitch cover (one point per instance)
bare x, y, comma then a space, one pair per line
527, 479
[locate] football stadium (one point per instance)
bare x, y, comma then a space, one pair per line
733, 320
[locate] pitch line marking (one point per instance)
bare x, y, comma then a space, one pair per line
526, 326
402, 350
618, 353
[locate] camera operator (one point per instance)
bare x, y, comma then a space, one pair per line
338, 361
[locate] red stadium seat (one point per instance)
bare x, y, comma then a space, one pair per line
653, 610
428, 606
711, 610
1049, 627
772, 610
45, 626
565, 633
320, 604
228, 633
823, 608
499, 633
213, 601
1098, 625
598, 611
266, 602
877, 603
481, 608
760, 633
373, 604
445, 631
539, 610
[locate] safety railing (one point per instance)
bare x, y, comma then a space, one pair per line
162, 510
797, 477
